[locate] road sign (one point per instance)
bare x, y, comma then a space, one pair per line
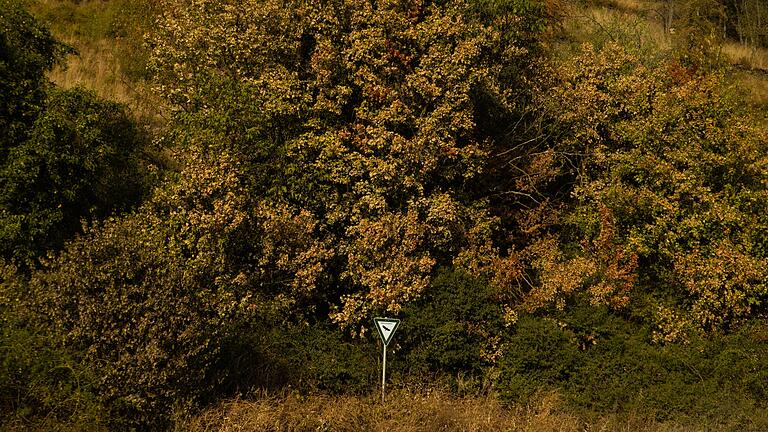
386, 328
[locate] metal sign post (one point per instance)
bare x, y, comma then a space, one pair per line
386, 328
383, 373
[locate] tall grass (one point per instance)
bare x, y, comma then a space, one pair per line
111, 58
627, 22
94, 67
408, 411
97, 66
746, 56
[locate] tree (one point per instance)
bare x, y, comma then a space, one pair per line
670, 174
79, 161
371, 117
27, 52
149, 299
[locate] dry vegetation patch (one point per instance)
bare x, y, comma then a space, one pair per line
403, 411
746, 56
110, 56
407, 411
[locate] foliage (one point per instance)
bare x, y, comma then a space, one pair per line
608, 244
149, 299
369, 118
79, 161
144, 299
64, 155
677, 178
41, 384
27, 52
539, 356
604, 363
455, 327
308, 358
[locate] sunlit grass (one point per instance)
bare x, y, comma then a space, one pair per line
746, 56
110, 58
629, 25
415, 411
95, 68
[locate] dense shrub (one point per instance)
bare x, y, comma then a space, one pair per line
41, 383
309, 358
146, 300
455, 327
27, 52
65, 156
603, 363
80, 161
149, 299
374, 118
540, 355
668, 203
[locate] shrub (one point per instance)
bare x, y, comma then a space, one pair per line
64, 155
455, 327
309, 358
540, 355
370, 118
80, 161
27, 52
42, 385
669, 197
606, 363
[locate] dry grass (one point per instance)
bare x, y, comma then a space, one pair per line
745, 56
96, 68
432, 411
624, 21
102, 56
756, 86
755, 90
408, 412
638, 6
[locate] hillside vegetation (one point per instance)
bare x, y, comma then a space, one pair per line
204, 203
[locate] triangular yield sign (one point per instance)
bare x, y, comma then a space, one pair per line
386, 328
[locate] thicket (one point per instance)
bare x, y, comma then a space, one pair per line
66, 156
594, 225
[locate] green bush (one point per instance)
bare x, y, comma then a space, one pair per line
453, 328
65, 156
301, 356
708, 379
540, 355
79, 161
27, 52
603, 362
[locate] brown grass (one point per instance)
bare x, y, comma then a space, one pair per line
408, 412
624, 21
430, 411
745, 56
97, 67
102, 56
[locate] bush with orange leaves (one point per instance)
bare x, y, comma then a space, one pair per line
671, 170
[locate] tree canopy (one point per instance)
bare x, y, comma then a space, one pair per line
368, 117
